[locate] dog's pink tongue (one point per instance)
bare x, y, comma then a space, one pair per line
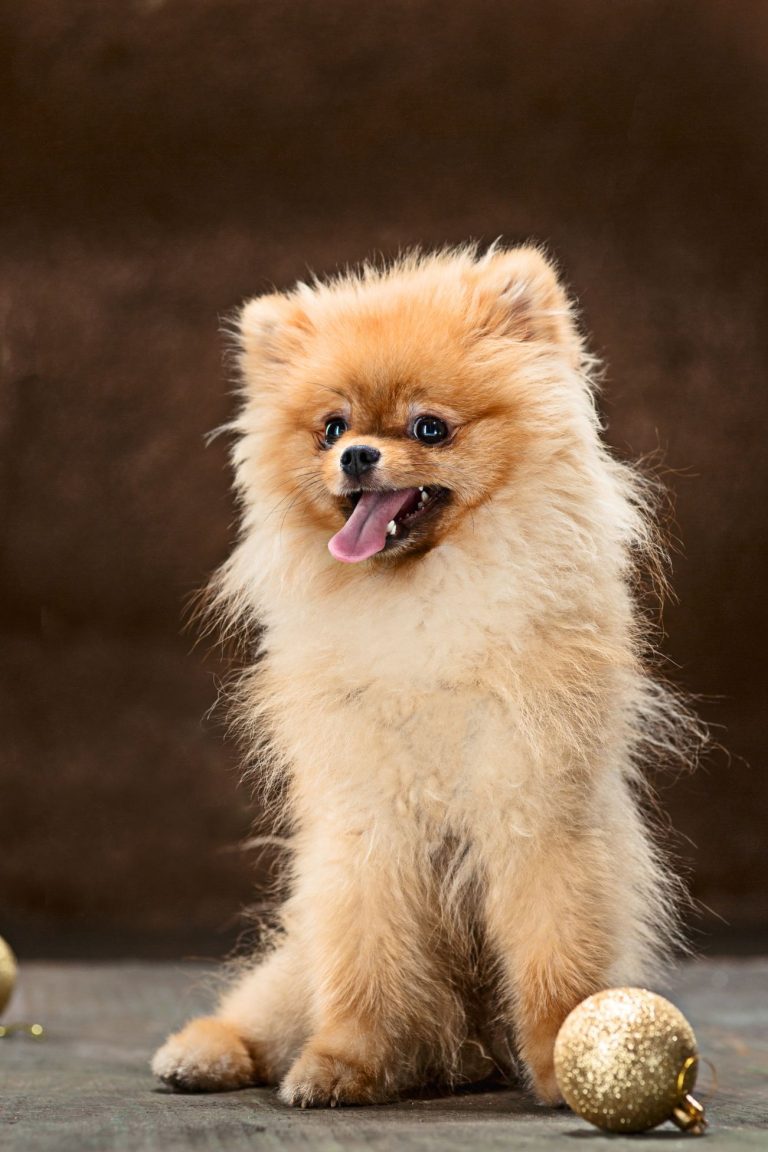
365, 533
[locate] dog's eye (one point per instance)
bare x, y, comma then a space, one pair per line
430, 430
335, 429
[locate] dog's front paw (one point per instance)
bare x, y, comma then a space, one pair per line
546, 1088
206, 1056
320, 1079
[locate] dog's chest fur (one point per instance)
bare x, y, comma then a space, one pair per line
427, 732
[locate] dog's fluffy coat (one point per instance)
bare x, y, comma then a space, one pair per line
458, 719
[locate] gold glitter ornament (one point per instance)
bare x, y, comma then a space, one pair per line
7, 973
626, 1061
8, 970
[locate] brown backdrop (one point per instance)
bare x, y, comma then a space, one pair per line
165, 158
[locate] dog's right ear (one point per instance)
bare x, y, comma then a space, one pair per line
271, 332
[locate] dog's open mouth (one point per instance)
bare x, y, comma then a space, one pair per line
379, 520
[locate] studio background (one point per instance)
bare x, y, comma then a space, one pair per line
165, 159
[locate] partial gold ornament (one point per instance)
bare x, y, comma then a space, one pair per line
8, 970
626, 1061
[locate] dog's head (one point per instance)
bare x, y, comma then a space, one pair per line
384, 407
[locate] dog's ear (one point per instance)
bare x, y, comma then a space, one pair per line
271, 331
516, 293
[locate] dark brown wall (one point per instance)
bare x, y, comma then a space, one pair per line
165, 158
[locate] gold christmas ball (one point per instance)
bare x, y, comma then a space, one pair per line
626, 1059
7, 973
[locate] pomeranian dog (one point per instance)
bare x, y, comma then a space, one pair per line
440, 558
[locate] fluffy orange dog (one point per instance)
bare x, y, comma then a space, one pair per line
441, 554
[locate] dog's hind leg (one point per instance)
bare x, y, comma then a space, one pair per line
259, 1027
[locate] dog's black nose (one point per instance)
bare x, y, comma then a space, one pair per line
358, 458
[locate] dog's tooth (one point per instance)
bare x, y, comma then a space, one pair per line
424, 496
391, 528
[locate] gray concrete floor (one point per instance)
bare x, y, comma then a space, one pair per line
86, 1086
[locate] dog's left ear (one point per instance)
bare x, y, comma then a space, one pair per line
271, 332
516, 293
